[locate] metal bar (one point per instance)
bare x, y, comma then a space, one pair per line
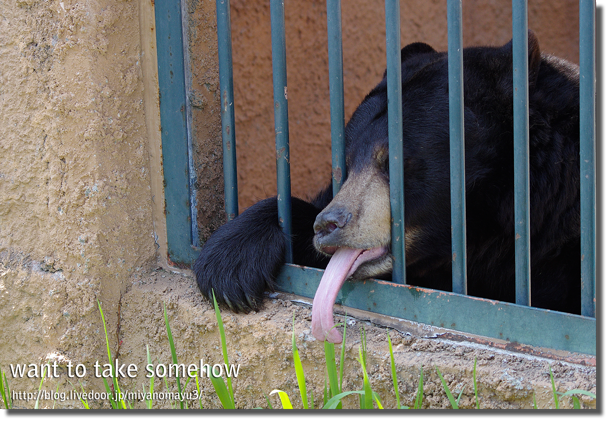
394, 84
587, 155
189, 119
521, 151
456, 133
227, 108
335, 76
172, 104
280, 101
490, 318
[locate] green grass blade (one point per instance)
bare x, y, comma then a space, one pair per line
223, 342
576, 402
457, 401
454, 404
283, 398
419, 397
334, 401
174, 356
44, 375
222, 392
578, 391
575, 399
113, 402
534, 397
172, 403
555, 398
268, 401
152, 379
298, 368
393, 367
83, 398
325, 392
115, 381
331, 368
56, 390
4, 390
198, 390
8, 391
474, 382
363, 343
342, 358
377, 400
368, 391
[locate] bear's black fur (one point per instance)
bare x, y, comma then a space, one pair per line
242, 258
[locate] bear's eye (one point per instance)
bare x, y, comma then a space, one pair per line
381, 159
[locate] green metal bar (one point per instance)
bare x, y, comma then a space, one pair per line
521, 148
280, 101
456, 133
172, 103
500, 320
227, 107
335, 76
394, 81
587, 155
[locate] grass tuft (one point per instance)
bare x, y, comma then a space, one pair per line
5, 391
474, 383
298, 369
223, 391
116, 404
172, 347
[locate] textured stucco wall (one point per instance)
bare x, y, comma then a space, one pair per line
485, 22
75, 196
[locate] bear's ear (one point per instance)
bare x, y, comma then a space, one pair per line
413, 49
533, 53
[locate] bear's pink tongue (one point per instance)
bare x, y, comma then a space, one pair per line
340, 267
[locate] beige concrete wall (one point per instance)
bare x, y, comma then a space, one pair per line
485, 22
75, 184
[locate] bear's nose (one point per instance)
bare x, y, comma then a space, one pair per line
329, 221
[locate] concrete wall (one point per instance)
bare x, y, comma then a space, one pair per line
76, 216
81, 200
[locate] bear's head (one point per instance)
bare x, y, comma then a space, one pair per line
355, 227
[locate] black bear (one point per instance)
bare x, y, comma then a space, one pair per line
242, 258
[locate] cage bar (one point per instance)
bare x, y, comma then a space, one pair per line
227, 107
174, 132
396, 162
587, 155
335, 76
521, 153
456, 133
280, 107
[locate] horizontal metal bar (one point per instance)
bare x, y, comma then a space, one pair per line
500, 320
280, 106
521, 153
396, 162
227, 107
456, 145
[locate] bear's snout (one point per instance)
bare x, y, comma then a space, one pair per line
328, 221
